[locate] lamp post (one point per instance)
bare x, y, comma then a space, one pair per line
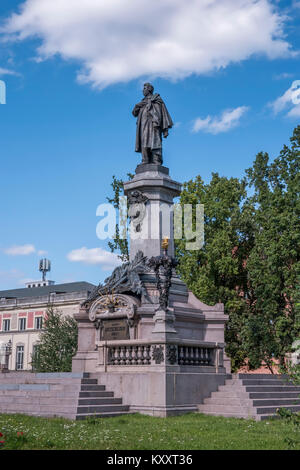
5, 352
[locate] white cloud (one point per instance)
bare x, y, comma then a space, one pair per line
20, 250
99, 256
4, 71
289, 100
120, 40
42, 252
214, 125
283, 76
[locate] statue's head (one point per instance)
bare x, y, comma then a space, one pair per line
148, 89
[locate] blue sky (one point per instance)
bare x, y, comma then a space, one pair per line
225, 70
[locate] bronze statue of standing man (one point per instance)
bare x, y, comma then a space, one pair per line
153, 122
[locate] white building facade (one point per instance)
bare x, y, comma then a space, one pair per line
23, 312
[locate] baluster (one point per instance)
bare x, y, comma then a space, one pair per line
127, 355
191, 356
201, 359
130, 358
186, 355
196, 358
148, 355
144, 352
135, 355
181, 356
208, 356
116, 356
122, 356
205, 356
140, 355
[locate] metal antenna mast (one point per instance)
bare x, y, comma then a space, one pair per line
44, 267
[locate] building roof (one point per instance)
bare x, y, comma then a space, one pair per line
45, 290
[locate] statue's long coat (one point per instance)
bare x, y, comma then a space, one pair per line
153, 119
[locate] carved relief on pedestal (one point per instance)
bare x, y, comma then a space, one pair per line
114, 316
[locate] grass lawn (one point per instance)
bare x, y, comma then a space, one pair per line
138, 432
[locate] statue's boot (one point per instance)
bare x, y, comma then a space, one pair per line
146, 155
157, 159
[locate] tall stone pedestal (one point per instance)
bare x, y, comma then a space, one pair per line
154, 183
161, 357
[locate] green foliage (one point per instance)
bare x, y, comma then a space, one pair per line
120, 242
57, 343
273, 263
217, 272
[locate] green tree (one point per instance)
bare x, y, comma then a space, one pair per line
273, 264
120, 242
217, 272
57, 343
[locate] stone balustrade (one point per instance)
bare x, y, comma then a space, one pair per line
135, 353
129, 355
195, 356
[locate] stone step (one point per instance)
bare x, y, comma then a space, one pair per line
25, 408
235, 401
272, 409
272, 388
37, 393
101, 409
271, 395
95, 394
262, 376
99, 401
227, 401
221, 408
232, 383
232, 389
92, 388
276, 402
49, 381
62, 375
36, 401
24, 376
230, 394
89, 381
274, 382
229, 415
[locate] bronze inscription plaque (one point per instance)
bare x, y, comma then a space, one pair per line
115, 329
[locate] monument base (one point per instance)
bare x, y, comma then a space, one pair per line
144, 335
162, 393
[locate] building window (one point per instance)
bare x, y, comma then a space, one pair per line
38, 323
22, 324
6, 325
20, 358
